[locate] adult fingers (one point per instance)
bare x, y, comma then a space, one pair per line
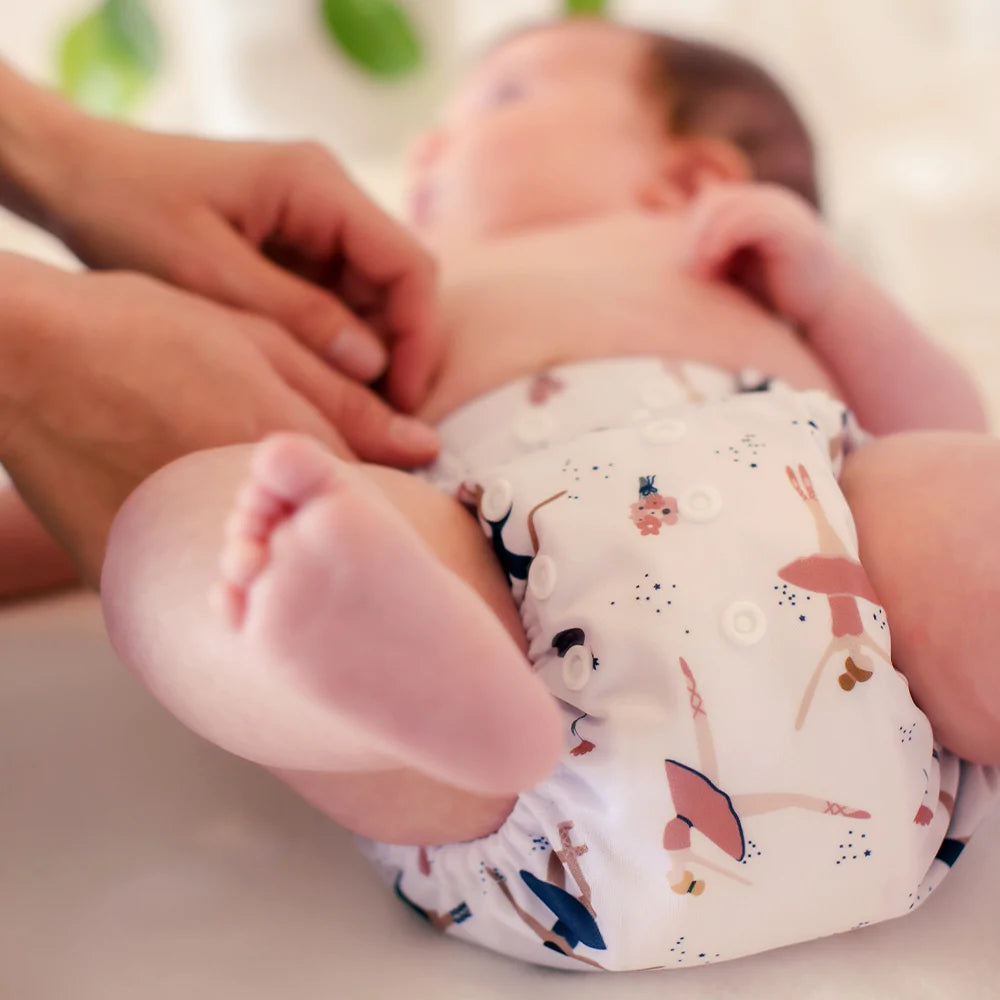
380, 254
233, 271
370, 428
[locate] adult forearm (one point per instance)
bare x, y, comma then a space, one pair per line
27, 288
18, 350
893, 376
36, 127
30, 559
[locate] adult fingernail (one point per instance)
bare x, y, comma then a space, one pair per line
359, 354
414, 435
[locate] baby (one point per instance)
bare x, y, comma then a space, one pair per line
663, 603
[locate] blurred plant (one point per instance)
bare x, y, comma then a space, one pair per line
109, 57
585, 6
378, 35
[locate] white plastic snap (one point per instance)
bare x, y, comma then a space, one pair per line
497, 499
534, 428
542, 577
664, 431
702, 503
578, 665
744, 623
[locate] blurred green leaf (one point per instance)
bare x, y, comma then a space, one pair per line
135, 31
586, 6
109, 57
376, 34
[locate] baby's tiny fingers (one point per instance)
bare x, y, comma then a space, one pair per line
718, 236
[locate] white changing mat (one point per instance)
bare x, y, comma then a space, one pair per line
139, 863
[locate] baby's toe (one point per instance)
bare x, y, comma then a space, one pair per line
293, 467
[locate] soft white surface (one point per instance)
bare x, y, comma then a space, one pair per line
138, 863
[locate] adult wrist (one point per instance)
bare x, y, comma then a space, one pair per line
29, 292
38, 137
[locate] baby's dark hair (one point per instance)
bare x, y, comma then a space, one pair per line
708, 90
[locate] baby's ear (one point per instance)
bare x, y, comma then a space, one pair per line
688, 166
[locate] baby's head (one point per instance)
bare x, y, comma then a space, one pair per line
584, 117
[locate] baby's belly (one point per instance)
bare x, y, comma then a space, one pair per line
716, 327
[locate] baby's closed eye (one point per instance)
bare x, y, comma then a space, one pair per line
504, 91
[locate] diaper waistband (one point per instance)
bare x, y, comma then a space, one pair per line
565, 400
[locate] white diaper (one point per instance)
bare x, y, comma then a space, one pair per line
743, 769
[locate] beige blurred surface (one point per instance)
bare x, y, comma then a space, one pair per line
138, 862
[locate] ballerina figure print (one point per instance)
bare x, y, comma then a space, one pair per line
675, 367
440, 921
702, 805
576, 921
842, 579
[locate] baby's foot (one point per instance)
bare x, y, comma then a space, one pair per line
246, 550
328, 581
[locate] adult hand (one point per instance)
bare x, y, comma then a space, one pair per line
278, 230
275, 229
105, 377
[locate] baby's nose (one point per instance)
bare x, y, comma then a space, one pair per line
428, 148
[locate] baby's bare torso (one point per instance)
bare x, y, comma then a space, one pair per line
608, 287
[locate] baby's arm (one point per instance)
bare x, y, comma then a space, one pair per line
30, 560
891, 374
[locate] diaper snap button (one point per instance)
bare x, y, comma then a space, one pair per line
578, 665
703, 503
744, 623
542, 577
497, 499
534, 428
663, 431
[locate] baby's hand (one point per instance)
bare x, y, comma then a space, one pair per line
767, 241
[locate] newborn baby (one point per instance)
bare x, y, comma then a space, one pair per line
677, 597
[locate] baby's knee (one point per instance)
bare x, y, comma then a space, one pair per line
925, 508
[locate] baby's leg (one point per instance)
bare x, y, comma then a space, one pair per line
359, 648
926, 507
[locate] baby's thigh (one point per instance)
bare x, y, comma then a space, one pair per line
925, 508
454, 536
